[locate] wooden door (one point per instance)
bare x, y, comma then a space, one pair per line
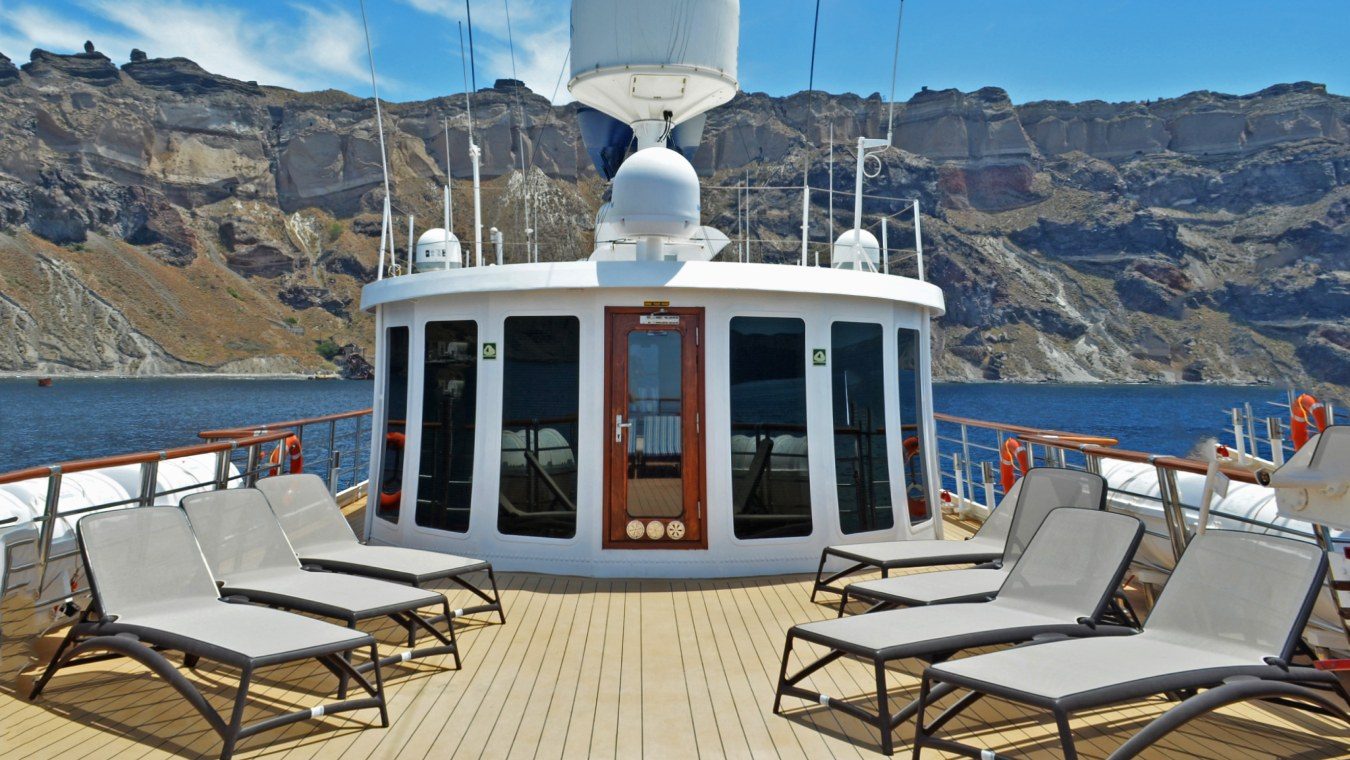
654, 469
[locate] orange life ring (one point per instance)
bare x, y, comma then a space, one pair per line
915, 498
294, 456
390, 500
1012, 464
1306, 413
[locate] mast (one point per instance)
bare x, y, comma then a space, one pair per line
384, 155
474, 155
445, 217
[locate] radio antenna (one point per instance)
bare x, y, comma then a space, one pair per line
384, 156
474, 154
895, 65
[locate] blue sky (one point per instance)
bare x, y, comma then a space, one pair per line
1035, 49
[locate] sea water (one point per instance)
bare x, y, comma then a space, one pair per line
79, 418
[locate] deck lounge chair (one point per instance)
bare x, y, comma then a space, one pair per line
1227, 621
1043, 489
985, 546
152, 591
250, 558
1061, 587
322, 538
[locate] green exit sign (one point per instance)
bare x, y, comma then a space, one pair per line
489, 350
818, 357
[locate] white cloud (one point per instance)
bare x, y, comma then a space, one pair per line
321, 46
539, 29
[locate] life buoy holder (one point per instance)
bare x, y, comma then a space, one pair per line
1012, 463
915, 497
295, 458
390, 499
1306, 416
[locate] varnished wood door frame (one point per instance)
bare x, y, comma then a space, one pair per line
692, 431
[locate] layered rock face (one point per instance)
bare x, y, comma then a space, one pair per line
183, 221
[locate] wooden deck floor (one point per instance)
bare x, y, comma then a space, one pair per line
589, 668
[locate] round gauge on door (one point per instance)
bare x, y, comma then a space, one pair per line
655, 530
675, 530
636, 529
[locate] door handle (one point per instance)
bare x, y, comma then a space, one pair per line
619, 425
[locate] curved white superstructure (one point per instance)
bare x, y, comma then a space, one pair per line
456, 364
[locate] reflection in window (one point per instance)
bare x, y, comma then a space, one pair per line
390, 473
861, 474
911, 423
770, 483
449, 400
540, 394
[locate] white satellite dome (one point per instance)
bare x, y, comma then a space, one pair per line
856, 249
656, 193
436, 249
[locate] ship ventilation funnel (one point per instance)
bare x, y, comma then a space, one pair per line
654, 64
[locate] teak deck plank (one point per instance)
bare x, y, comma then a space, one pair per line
592, 668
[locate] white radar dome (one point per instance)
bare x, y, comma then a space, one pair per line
436, 250
856, 249
656, 193
638, 60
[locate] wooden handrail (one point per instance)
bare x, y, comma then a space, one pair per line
1023, 430
212, 435
1180, 464
84, 465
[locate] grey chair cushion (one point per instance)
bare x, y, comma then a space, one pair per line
933, 588
249, 554
321, 536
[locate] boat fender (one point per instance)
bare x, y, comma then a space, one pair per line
1012, 463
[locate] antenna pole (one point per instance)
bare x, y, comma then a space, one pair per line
384, 156
474, 154
473, 71
895, 64
831, 183
918, 239
806, 202
445, 217
410, 243
857, 191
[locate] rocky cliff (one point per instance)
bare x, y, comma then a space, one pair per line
155, 217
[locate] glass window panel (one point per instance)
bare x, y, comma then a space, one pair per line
449, 403
770, 476
655, 409
390, 472
862, 479
540, 394
911, 423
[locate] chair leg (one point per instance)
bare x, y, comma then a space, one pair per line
501, 608
921, 705
1065, 735
231, 733
843, 601
884, 711
55, 663
379, 686
782, 677
820, 572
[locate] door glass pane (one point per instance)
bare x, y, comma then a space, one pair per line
856, 374
911, 418
449, 403
770, 483
540, 393
655, 445
390, 473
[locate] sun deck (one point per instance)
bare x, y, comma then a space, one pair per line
587, 667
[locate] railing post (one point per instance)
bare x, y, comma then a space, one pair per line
356, 453
1276, 433
1238, 447
1251, 427
987, 473
332, 457
1092, 462
149, 481
223, 466
965, 455
333, 473
251, 473
1171, 504
959, 485
49, 513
